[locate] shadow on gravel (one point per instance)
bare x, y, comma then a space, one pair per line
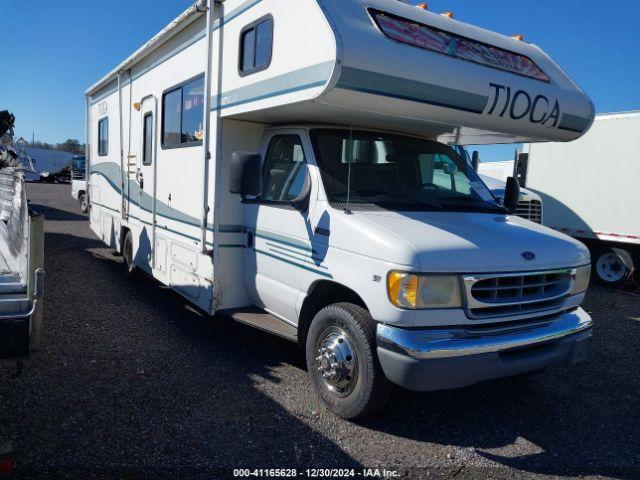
131, 381
55, 214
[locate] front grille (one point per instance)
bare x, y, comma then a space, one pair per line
514, 294
530, 209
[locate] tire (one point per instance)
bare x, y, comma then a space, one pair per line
346, 375
84, 206
127, 254
610, 268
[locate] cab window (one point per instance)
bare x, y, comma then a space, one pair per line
284, 169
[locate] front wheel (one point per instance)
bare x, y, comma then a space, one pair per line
343, 363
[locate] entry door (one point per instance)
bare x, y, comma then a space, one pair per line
146, 180
278, 236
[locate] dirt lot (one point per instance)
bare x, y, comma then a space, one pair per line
132, 383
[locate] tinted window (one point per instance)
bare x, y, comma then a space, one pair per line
192, 111
248, 50
256, 44
284, 169
103, 137
183, 112
172, 108
147, 140
397, 172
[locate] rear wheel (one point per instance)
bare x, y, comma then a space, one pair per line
611, 268
343, 363
84, 205
127, 253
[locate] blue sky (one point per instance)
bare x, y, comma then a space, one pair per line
54, 50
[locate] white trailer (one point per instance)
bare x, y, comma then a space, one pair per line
350, 227
590, 191
500, 170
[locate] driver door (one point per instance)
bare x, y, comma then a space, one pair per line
278, 237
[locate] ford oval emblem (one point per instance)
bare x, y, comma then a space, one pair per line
528, 255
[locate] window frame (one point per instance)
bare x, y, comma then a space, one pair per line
279, 203
164, 94
245, 29
144, 139
374, 12
100, 153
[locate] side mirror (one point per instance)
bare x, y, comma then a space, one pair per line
245, 177
511, 194
301, 202
475, 160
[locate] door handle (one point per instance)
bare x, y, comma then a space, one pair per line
250, 239
140, 179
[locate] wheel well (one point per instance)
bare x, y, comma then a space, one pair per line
322, 294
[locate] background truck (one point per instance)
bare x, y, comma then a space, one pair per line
590, 191
79, 182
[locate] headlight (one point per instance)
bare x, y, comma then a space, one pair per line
413, 291
581, 279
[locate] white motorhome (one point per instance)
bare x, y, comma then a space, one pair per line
350, 226
590, 191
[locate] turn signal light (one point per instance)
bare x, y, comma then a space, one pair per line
447, 14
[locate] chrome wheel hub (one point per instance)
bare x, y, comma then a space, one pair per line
337, 361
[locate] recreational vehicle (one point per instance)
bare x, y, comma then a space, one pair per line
286, 163
590, 191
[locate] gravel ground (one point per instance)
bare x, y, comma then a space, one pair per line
133, 383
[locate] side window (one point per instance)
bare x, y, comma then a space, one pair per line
147, 140
103, 137
182, 115
256, 46
284, 169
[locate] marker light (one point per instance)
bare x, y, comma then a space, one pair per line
423, 6
518, 37
137, 106
412, 291
447, 14
581, 280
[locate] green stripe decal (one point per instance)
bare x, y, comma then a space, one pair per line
304, 267
303, 79
292, 242
396, 87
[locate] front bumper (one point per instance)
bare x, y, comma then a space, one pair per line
439, 359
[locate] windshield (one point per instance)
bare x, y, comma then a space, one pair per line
397, 172
78, 167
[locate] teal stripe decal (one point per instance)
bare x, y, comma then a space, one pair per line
574, 123
303, 79
291, 250
395, 87
292, 242
304, 267
293, 257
